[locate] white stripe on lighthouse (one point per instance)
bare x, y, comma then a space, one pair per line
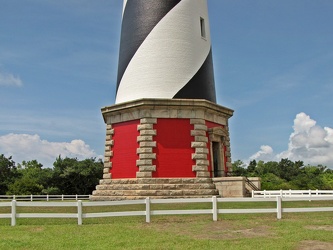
170, 55
124, 5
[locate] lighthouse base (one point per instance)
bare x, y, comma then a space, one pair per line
164, 148
141, 188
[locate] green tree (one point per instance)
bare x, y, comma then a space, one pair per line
311, 177
289, 170
327, 178
33, 179
270, 181
8, 173
287, 174
263, 168
252, 166
238, 168
72, 176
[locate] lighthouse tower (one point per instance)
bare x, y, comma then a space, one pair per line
165, 135
165, 51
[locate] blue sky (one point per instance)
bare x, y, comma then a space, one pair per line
273, 63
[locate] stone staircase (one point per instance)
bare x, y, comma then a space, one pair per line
158, 188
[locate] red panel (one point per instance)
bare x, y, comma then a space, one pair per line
173, 151
213, 125
124, 150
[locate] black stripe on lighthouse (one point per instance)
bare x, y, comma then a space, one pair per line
139, 18
202, 85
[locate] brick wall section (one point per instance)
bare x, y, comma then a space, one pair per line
146, 145
200, 146
108, 152
228, 152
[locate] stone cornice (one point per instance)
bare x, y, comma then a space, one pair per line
166, 108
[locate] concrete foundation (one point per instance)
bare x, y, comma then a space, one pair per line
236, 186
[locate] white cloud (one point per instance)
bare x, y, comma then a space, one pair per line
303, 123
10, 80
309, 143
265, 153
32, 147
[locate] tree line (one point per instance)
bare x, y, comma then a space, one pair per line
73, 176
286, 174
68, 176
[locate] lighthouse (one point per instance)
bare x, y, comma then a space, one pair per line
165, 135
165, 51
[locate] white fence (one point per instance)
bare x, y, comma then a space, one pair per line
46, 197
214, 211
291, 193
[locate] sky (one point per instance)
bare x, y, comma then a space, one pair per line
273, 65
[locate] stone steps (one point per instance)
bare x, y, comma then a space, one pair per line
124, 189
156, 181
155, 186
119, 198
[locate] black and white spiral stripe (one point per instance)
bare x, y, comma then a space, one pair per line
165, 51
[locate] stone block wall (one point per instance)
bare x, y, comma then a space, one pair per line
108, 152
200, 146
145, 149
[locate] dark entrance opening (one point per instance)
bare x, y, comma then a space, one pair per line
217, 138
216, 159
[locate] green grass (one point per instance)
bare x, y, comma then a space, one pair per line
231, 231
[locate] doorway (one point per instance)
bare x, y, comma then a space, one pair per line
218, 169
217, 137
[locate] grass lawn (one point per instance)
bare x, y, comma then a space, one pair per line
231, 231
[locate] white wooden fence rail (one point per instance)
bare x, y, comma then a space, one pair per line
291, 193
46, 197
214, 211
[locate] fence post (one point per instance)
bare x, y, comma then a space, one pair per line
47, 197
62, 197
79, 212
278, 207
13, 215
310, 194
214, 200
148, 210
31, 198
76, 197
252, 193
